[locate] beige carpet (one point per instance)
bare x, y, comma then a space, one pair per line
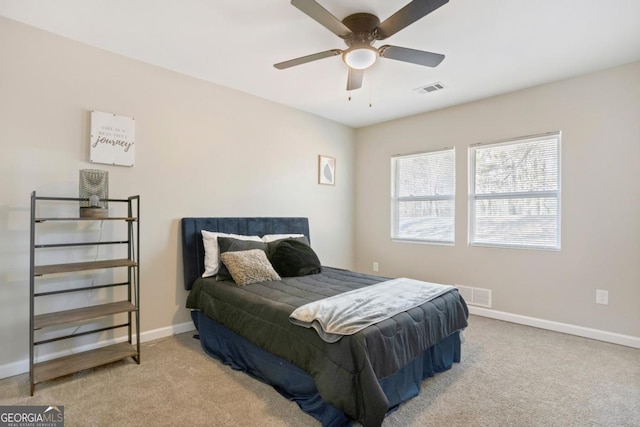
510, 375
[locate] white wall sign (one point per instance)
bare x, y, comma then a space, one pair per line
112, 139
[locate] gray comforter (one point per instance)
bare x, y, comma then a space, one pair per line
345, 372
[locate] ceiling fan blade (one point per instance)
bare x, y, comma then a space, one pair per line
354, 80
420, 57
406, 16
308, 58
322, 16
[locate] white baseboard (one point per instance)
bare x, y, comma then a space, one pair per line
167, 332
22, 366
565, 328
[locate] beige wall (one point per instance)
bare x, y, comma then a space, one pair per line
599, 116
205, 150
201, 150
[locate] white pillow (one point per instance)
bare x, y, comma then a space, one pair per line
212, 252
273, 237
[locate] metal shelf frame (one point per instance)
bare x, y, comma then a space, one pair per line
43, 371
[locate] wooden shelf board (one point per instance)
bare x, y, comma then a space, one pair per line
39, 270
66, 365
109, 218
79, 314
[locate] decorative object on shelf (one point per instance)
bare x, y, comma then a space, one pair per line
112, 139
326, 170
94, 193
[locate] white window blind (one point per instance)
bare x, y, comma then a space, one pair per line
514, 193
423, 197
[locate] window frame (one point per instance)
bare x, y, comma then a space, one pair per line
472, 198
395, 200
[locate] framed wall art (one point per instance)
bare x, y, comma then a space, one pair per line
326, 170
112, 139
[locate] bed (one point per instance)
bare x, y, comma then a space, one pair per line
361, 377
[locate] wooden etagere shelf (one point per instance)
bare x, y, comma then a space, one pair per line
80, 314
82, 266
45, 371
54, 368
118, 218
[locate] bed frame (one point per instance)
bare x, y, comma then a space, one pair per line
292, 382
193, 248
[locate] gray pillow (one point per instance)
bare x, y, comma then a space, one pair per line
247, 267
229, 244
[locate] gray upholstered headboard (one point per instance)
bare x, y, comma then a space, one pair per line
193, 248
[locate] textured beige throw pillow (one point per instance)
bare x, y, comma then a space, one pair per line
247, 267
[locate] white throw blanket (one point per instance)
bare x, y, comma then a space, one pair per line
350, 312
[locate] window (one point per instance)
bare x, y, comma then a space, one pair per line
423, 192
514, 193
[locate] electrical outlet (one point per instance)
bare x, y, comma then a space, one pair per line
375, 266
602, 297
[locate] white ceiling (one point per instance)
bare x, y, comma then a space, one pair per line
491, 46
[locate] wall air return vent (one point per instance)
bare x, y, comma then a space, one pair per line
433, 87
475, 296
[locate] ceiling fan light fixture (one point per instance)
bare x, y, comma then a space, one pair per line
360, 57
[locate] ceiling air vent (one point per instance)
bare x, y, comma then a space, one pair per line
433, 87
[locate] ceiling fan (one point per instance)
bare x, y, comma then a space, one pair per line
360, 30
